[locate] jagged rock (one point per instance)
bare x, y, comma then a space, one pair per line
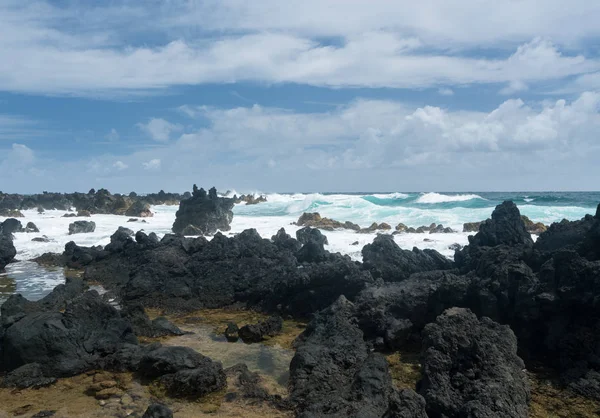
144, 327
11, 226
254, 333
565, 234
285, 241
308, 234
250, 199
146, 240
463, 358
383, 258
439, 229
191, 230
183, 372
84, 213
207, 213
7, 250
505, 227
333, 374
31, 227
315, 220
139, 209
82, 227
11, 213
472, 226
27, 376
533, 227
401, 227
69, 343
158, 411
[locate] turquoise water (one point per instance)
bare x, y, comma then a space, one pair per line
417, 208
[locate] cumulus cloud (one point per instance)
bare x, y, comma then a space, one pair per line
159, 129
284, 45
153, 164
366, 144
120, 165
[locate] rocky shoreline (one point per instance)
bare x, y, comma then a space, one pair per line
503, 306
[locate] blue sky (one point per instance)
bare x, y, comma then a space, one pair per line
310, 95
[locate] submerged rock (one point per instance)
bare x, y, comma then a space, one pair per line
209, 213
471, 368
82, 227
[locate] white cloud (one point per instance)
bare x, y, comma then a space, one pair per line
120, 165
514, 87
22, 154
112, 136
159, 129
153, 164
68, 51
446, 91
361, 145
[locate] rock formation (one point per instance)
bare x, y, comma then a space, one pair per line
206, 212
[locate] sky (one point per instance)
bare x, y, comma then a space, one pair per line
299, 95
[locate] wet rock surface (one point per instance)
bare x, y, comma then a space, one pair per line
82, 227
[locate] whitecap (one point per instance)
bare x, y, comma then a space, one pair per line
431, 198
396, 195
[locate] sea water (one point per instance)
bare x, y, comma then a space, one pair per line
282, 210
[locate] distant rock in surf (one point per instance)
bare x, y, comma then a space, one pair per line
11, 213
82, 227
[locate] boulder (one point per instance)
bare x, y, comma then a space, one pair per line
84, 213
157, 410
470, 368
471, 226
385, 259
82, 227
144, 327
285, 241
401, 228
183, 372
533, 227
31, 227
11, 226
209, 213
316, 221
254, 333
43, 238
139, 209
505, 227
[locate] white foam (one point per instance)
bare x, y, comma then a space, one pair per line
442, 198
397, 195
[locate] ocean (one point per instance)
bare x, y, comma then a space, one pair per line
282, 210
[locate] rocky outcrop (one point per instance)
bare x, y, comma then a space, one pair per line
470, 368
530, 226
333, 374
11, 213
69, 343
31, 227
82, 227
139, 209
144, 327
207, 212
249, 199
7, 250
315, 220
254, 333
385, 259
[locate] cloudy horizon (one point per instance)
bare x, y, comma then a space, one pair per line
304, 96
